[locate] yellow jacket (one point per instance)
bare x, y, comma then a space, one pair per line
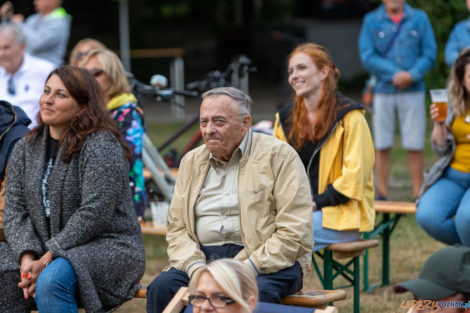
346, 162
274, 203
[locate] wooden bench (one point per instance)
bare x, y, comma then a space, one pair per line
148, 174
150, 229
391, 212
332, 269
309, 298
398, 207
352, 250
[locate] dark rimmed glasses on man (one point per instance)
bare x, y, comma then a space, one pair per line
217, 301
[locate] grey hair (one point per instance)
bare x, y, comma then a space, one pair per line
242, 99
14, 30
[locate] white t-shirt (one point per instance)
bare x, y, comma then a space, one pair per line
28, 84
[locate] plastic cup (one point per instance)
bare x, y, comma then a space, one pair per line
159, 211
439, 99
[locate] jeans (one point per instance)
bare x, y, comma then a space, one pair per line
272, 287
323, 237
56, 289
443, 211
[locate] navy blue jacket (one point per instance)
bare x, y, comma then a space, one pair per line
13, 125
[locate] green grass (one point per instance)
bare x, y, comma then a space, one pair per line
410, 246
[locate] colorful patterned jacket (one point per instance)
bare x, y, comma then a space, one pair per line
124, 111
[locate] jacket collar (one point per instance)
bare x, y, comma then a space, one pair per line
383, 15
249, 146
120, 100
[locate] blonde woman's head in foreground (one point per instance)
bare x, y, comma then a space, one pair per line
224, 285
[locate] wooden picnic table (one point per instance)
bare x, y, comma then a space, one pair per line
150, 229
391, 212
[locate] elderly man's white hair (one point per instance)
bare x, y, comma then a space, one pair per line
10, 28
243, 100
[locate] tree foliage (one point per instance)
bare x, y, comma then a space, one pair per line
444, 14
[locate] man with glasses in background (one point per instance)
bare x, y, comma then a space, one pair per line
22, 76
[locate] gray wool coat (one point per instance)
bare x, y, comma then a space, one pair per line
92, 223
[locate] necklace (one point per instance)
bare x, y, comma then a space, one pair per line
467, 119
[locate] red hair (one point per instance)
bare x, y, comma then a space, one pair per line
302, 129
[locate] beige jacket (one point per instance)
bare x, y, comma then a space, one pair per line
274, 202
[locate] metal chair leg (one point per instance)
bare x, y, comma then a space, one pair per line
328, 270
357, 284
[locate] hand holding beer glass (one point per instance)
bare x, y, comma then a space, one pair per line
438, 107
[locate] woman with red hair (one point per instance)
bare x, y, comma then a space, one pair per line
332, 137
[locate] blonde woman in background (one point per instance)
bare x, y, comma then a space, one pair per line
81, 49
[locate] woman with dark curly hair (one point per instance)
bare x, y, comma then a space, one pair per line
73, 236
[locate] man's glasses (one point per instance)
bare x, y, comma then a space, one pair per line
217, 301
11, 87
96, 72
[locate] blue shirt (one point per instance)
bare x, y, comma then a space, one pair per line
459, 39
414, 49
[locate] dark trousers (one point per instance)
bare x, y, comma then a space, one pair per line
272, 287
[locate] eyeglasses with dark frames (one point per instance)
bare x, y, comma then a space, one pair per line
97, 72
217, 301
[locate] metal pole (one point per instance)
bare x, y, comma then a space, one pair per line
177, 82
124, 37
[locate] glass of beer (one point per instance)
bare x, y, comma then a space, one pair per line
439, 99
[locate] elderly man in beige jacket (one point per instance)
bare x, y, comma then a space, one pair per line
242, 195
